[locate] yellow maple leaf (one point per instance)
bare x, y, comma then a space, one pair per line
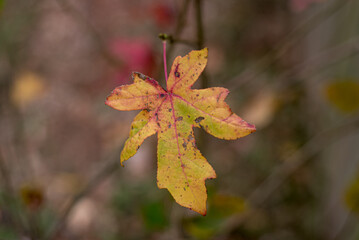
172, 114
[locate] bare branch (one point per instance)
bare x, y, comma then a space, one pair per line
109, 168
101, 46
316, 144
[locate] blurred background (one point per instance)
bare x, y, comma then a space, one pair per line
291, 66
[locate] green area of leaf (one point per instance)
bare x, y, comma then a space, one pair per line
344, 95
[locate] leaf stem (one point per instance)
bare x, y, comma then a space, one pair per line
165, 59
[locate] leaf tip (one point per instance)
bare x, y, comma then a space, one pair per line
122, 159
138, 74
108, 102
252, 127
205, 50
204, 213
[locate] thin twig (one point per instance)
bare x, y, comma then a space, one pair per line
9, 155
296, 160
319, 142
300, 31
9, 196
339, 228
202, 140
181, 23
199, 23
306, 68
101, 46
307, 26
110, 167
200, 37
189, 43
326, 58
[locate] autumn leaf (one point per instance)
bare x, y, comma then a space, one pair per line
172, 114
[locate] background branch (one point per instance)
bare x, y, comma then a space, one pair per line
258, 197
250, 74
180, 25
110, 167
101, 46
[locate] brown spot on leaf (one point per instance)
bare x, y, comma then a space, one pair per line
142, 76
177, 74
179, 118
199, 119
190, 137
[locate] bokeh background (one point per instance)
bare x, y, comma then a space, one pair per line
292, 69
